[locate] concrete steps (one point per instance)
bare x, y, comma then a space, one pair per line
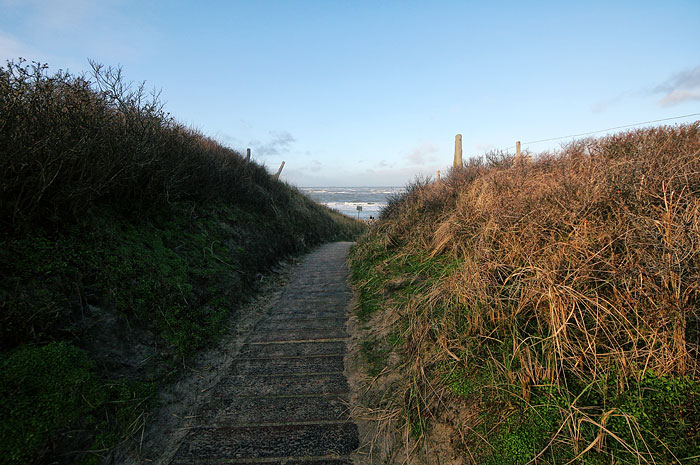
293, 349
266, 385
269, 410
250, 442
285, 398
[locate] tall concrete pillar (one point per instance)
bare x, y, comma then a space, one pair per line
458, 152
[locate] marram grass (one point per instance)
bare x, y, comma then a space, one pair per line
554, 300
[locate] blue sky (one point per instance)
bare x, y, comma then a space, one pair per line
373, 92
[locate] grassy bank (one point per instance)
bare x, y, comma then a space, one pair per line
541, 312
126, 243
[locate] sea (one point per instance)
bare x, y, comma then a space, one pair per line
357, 202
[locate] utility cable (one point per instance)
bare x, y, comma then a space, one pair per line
603, 130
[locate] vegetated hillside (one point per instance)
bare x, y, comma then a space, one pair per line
543, 311
126, 243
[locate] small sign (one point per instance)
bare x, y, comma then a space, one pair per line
359, 208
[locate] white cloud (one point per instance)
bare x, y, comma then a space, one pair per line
11, 49
679, 96
422, 154
679, 88
81, 29
63, 16
331, 175
316, 166
616, 100
280, 142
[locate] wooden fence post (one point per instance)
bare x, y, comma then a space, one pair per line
277, 175
438, 175
247, 154
517, 152
457, 163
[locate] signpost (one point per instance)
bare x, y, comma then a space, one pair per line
359, 209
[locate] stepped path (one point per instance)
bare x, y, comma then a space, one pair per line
284, 400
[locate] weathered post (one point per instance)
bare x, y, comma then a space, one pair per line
438, 175
517, 153
247, 154
277, 175
458, 152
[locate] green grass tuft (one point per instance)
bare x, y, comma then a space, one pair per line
51, 396
43, 390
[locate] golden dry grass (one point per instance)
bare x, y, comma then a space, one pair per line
578, 270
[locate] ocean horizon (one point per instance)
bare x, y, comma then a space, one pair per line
346, 200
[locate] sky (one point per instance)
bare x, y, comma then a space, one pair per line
372, 93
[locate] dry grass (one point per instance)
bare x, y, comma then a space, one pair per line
578, 271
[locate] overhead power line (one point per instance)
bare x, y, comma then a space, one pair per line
607, 129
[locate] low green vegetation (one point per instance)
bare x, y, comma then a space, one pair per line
126, 244
54, 393
542, 311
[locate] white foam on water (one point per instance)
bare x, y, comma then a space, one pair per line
346, 199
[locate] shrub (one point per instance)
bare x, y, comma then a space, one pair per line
68, 143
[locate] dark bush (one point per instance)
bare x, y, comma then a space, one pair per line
67, 143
